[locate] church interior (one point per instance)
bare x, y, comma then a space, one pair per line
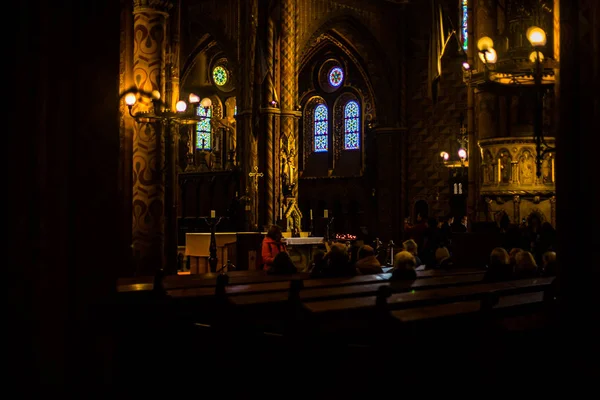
173, 139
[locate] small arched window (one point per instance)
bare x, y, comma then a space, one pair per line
321, 128
203, 129
352, 126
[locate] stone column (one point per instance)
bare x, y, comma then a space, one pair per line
576, 165
289, 78
126, 123
483, 123
247, 144
148, 230
388, 144
268, 113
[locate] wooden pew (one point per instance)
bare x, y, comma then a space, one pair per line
253, 277
353, 291
432, 296
506, 302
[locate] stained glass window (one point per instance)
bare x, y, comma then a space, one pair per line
351, 126
321, 128
203, 129
220, 75
336, 76
463, 29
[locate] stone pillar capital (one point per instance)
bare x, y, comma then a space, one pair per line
155, 6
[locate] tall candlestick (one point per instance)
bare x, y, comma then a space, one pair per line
213, 214
326, 213
311, 213
280, 212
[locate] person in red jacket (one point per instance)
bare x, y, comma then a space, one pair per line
272, 245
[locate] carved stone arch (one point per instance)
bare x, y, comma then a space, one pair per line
361, 48
418, 204
307, 135
526, 165
218, 48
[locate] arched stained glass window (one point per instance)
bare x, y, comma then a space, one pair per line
321, 128
464, 34
352, 126
203, 129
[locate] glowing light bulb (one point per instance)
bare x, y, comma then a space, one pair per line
156, 95
193, 99
181, 106
130, 99
536, 36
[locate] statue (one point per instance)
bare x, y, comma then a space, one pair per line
288, 171
526, 167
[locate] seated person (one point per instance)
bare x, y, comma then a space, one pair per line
317, 261
404, 267
499, 268
367, 262
282, 264
336, 263
411, 246
442, 258
525, 266
272, 245
549, 264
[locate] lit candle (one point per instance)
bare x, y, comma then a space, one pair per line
311, 213
326, 213
213, 214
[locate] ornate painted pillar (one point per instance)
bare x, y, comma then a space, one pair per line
289, 99
268, 112
247, 143
483, 122
126, 123
485, 25
473, 149
148, 230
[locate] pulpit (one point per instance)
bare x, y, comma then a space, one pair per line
241, 248
197, 247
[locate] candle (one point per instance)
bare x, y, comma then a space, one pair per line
280, 212
213, 214
311, 213
326, 214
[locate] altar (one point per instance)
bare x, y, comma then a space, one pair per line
302, 249
243, 249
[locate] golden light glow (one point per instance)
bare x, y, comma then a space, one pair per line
535, 54
194, 98
445, 156
488, 56
156, 95
485, 43
206, 102
462, 154
180, 106
130, 99
536, 36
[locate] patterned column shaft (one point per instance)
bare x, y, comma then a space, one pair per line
270, 192
246, 137
289, 93
149, 29
288, 54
